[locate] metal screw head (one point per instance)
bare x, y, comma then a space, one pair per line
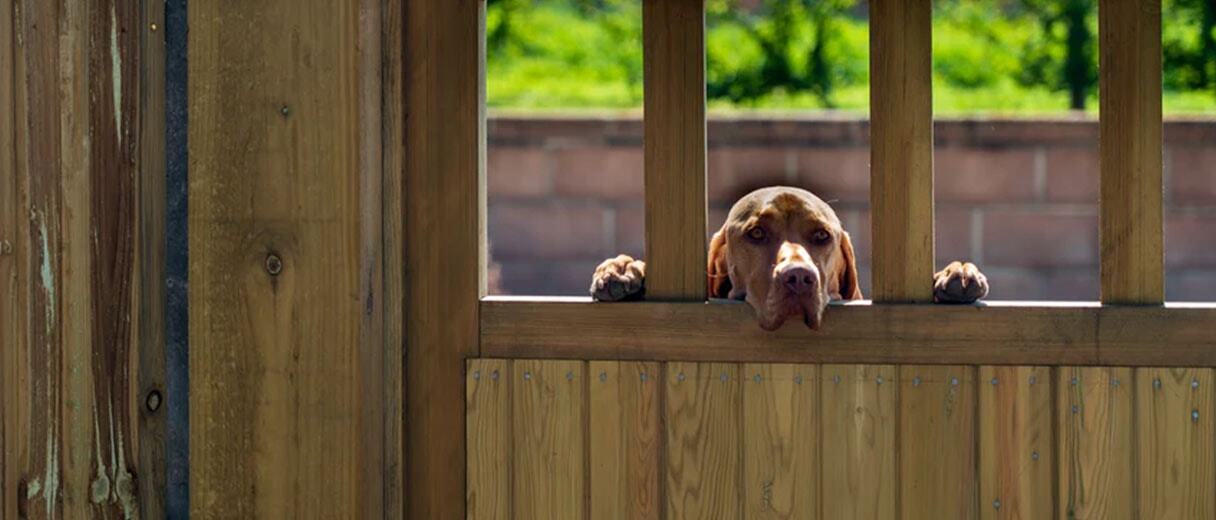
643, 377
152, 27
723, 378
994, 381
284, 111
1033, 380
1074, 381
1195, 415
1157, 383
1075, 408
878, 380
494, 375
569, 376
954, 381
1034, 455
798, 379
274, 264
916, 381
1194, 384
680, 377
527, 376
836, 379
153, 401
603, 376
1114, 382
476, 375
756, 378
996, 504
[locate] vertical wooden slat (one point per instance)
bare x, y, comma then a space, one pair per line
625, 440
780, 441
937, 406
1095, 435
1130, 151
150, 348
393, 210
1174, 413
11, 331
702, 413
279, 204
1016, 466
858, 438
549, 439
674, 146
488, 409
445, 231
901, 150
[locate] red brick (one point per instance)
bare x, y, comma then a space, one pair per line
630, 231
548, 278
1072, 175
978, 175
734, 172
1078, 284
857, 223
836, 173
1192, 174
602, 172
548, 232
1190, 285
1015, 238
1014, 284
951, 236
516, 171
1190, 241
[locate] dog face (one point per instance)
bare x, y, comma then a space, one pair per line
784, 251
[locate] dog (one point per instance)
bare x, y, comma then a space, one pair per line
784, 252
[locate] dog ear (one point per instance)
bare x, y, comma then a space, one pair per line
718, 279
850, 289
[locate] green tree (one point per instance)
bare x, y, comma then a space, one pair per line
1066, 57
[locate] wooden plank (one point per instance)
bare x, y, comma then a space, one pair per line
901, 150
1129, 146
1174, 412
445, 229
549, 439
858, 440
937, 407
702, 414
278, 246
1096, 443
488, 400
625, 440
1017, 464
150, 263
781, 462
393, 161
12, 248
998, 333
673, 43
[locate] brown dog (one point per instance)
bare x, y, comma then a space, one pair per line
783, 251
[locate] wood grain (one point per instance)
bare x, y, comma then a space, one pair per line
445, 231
702, 416
1096, 443
937, 443
488, 411
12, 275
279, 210
1129, 146
1174, 412
625, 439
859, 440
998, 333
393, 161
781, 461
673, 41
1016, 442
901, 150
549, 439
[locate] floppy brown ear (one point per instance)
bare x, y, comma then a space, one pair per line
718, 280
850, 289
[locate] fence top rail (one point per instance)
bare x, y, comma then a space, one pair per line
991, 333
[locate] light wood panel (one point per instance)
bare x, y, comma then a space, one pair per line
625, 440
1130, 220
702, 414
901, 150
444, 261
488, 411
393, 160
549, 439
1016, 442
937, 407
780, 441
1096, 439
1175, 466
284, 255
673, 41
858, 433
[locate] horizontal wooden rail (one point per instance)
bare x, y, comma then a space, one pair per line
996, 333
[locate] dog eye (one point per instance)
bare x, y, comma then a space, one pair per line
756, 233
821, 236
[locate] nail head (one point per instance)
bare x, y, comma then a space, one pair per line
274, 264
476, 375
916, 381
527, 376
603, 376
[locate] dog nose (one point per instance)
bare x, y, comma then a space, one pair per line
798, 279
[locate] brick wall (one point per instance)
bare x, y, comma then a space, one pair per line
1018, 197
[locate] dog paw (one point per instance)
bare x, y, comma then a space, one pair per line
618, 279
959, 283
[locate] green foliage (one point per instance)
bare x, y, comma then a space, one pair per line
990, 56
